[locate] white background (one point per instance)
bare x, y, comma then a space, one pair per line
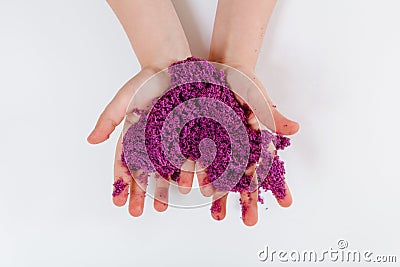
332, 65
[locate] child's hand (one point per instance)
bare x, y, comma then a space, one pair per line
257, 98
111, 117
158, 39
128, 183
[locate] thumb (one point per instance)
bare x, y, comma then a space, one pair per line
284, 125
281, 123
249, 89
115, 111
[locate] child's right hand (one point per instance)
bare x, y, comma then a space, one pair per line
110, 118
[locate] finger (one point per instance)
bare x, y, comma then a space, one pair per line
186, 176
161, 193
206, 187
249, 207
251, 171
284, 125
249, 198
122, 177
115, 111
218, 206
281, 124
287, 200
137, 193
260, 102
252, 121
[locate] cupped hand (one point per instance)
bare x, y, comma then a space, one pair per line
249, 91
125, 186
131, 183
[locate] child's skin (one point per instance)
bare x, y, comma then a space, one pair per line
157, 37
158, 40
236, 41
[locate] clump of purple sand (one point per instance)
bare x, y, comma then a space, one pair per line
119, 187
142, 143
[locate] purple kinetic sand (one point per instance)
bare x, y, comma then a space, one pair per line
199, 118
119, 187
281, 142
